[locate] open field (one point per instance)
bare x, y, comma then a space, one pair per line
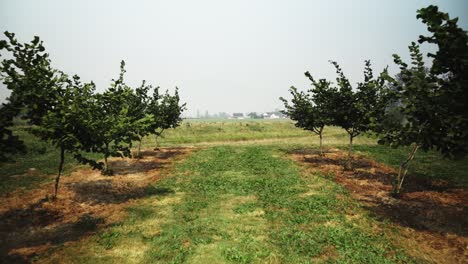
236, 192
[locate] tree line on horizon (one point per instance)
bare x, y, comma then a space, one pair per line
422, 107
74, 117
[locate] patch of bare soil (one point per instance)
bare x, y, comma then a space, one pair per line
31, 223
431, 216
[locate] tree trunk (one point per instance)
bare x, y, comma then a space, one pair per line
157, 136
349, 165
139, 147
106, 164
60, 168
403, 170
156, 148
320, 136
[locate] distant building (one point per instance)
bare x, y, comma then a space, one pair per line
273, 115
238, 116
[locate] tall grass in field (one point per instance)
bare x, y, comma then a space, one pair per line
229, 131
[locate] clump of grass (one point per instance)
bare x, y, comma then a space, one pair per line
88, 223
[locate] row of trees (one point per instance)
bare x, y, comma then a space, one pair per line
72, 115
422, 107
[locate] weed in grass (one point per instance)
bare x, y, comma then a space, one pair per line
88, 223
108, 239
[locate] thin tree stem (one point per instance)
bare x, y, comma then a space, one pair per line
403, 170
60, 169
350, 149
106, 165
321, 137
139, 147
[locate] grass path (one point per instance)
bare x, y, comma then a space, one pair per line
240, 204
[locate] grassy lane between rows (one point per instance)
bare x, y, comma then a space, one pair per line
243, 204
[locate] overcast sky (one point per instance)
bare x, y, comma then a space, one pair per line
225, 56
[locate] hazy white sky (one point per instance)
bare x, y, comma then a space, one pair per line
225, 56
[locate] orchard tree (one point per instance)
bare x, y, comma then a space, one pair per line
33, 84
358, 111
450, 67
64, 126
323, 96
110, 125
166, 110
52, 104
311, 110
432, 102
141, 118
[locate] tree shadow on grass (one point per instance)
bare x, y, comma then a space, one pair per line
105, 192
126, 166
163, 153
307, 151
149, 160
422, 211
31, 241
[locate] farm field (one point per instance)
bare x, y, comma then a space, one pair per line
246, 191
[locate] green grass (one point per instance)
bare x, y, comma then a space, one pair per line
241, 205
190, 132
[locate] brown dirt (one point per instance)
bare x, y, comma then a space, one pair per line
431, 217
31, 223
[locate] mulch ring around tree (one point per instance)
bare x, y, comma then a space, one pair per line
431, 216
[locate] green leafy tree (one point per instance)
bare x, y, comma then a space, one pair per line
33, 84
311, 110
109, 124
431, 103
357, 111
450, 67
166, 110
64, 125
141, 118
52, 104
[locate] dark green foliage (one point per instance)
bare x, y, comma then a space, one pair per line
450, 67
30, 78
65, 126
109, 124
141, 118
9, 143
431, 103
358, 110
33, 84
413, 98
